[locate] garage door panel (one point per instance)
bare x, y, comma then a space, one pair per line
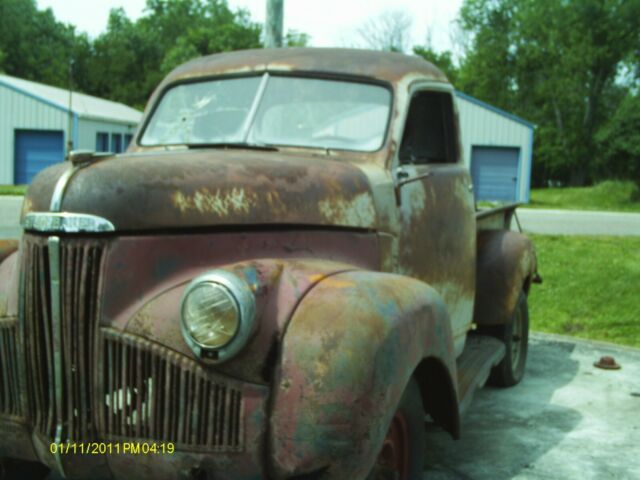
35, 150
495, 173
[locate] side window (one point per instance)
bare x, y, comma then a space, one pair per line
116, 142
429, 134
102, 142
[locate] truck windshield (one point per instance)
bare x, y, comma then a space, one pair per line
272, 110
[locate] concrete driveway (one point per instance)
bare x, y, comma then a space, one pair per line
566, 420
578, 222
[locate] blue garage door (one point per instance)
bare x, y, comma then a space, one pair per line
36, 150
495, 173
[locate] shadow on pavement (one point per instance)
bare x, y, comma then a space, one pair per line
506, 430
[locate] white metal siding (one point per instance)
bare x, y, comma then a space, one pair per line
483, 127
87, 130
19, 111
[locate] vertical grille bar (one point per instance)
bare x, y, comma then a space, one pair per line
161, 395
9, 393
59, 314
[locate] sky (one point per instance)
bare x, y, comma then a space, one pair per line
330, 23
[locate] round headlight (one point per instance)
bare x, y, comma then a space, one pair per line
211, 315
218, 310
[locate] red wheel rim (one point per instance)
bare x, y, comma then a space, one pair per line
394, 454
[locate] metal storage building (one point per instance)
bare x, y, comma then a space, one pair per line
36, 124
497, 148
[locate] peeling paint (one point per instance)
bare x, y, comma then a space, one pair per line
220, 202
359, 211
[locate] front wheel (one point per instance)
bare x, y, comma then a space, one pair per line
402, 454
515, 335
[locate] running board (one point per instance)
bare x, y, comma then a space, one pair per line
481, 353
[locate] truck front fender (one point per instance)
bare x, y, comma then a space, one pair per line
7, 247
506, 265
347, 354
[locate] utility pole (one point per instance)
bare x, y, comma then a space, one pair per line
273, 24
70, 111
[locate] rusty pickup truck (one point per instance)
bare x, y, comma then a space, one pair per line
285, 276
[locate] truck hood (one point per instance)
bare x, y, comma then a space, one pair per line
202, 188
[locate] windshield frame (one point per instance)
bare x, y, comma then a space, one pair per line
275, 73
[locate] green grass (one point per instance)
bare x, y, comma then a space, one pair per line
13, 189
591, 288
610, 195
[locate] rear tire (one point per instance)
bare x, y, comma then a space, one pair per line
402, 454
515, 335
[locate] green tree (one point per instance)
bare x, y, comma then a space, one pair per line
34, 44
131, 58
619, 142
555, 63
293, 38
442, 60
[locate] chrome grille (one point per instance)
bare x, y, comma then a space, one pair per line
9, 391
69, 347
155, 393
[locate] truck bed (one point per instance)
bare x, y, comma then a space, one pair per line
498, 218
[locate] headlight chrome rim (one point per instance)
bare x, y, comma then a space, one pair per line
240, 292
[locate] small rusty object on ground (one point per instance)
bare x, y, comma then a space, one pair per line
607, 363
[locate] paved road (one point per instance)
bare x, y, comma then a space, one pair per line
567, 420
10, 216
558, 222
578, 222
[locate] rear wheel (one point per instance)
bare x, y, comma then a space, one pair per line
515, 335
402, 454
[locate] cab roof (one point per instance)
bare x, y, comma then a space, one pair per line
383, 66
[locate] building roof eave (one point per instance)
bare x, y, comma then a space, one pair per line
497, 110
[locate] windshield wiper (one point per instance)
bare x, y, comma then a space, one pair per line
239, 145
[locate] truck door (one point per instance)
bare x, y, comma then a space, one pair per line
438, 231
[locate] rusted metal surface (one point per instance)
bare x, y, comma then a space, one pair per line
66, 398
438, 238
384, 66
498, 218
279, 285
361, 280
506, 266
355, 340
205, 188
7, 247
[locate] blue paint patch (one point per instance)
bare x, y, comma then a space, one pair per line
251, 276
